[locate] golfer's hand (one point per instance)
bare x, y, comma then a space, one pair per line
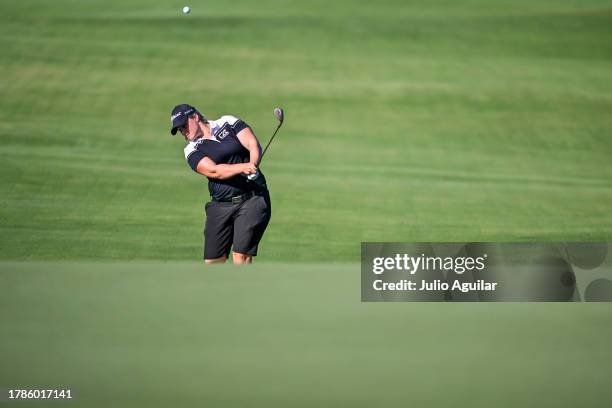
257, 179
249, 168
253, 176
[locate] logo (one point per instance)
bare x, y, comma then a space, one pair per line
186, 113
222, 134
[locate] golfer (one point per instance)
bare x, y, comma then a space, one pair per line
227, 152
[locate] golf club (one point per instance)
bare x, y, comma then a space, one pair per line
279, 114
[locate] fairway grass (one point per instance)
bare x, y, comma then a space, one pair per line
437, 121
166, 334
479, 121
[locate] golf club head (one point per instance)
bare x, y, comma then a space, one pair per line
279, 114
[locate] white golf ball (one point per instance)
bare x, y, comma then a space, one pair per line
186, 10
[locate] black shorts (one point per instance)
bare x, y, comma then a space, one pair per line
240, 226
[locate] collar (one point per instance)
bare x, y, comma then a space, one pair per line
213, 129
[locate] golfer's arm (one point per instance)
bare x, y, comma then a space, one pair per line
210, 169
249, 141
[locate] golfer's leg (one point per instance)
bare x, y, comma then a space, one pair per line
218, 231
249, 226
219, 260
240, 259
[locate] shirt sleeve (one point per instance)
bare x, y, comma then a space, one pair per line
193, 155
237, 124
194, 159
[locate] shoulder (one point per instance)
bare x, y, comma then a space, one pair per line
227, 119
231, 120
191, 148
235, 123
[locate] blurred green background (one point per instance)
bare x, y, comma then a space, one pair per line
406, 121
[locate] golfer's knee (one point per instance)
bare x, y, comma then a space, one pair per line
219, 260
239, 258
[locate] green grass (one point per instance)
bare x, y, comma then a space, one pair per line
406, 121
286, 335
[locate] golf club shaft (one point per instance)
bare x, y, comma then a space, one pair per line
270, 141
